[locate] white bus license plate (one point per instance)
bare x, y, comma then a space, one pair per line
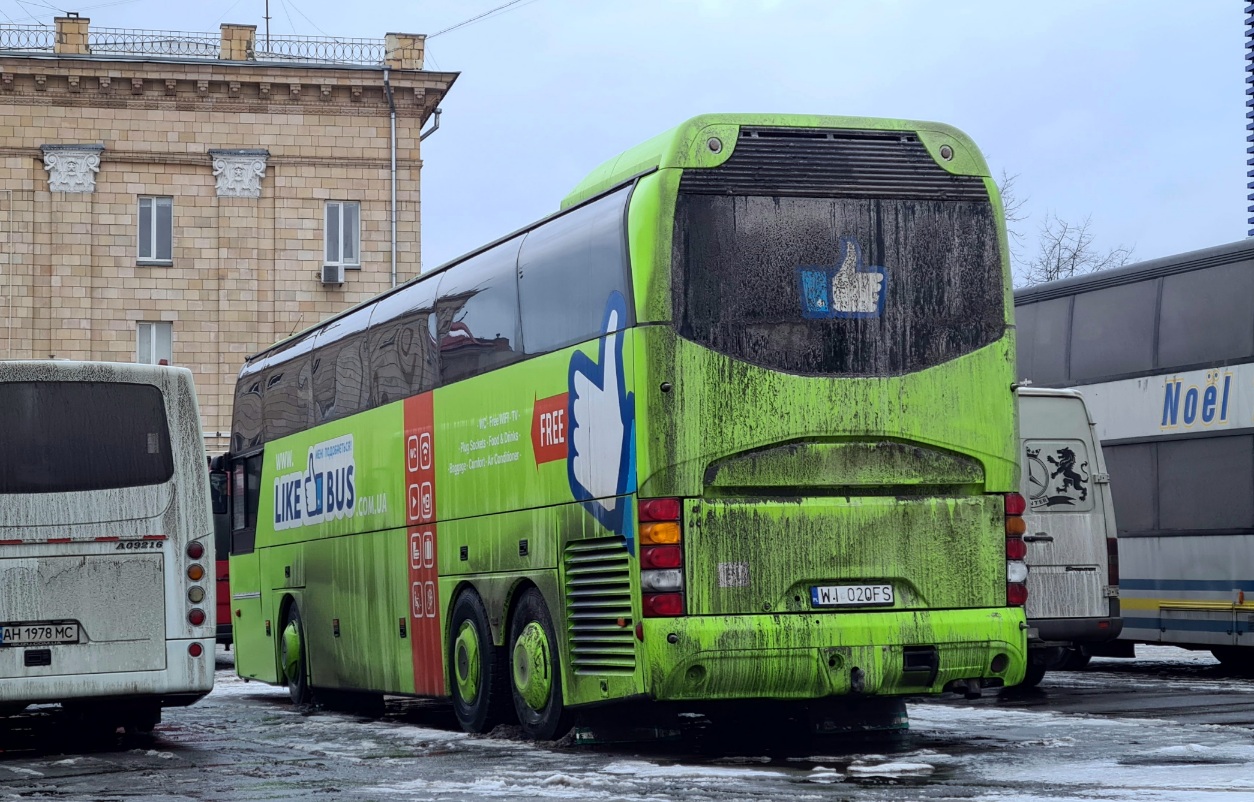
851, 595
37, 634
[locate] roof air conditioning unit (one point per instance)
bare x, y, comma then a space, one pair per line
333, 274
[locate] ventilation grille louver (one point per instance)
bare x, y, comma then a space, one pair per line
598, 594
832, 164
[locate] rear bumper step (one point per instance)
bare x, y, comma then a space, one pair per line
807, 657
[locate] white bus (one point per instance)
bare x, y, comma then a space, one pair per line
1164, 354
106, 542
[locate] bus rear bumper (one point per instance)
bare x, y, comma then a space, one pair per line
800, 656
184, 679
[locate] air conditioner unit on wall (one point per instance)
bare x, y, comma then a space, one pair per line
333, 274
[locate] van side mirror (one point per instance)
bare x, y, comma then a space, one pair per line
219, 497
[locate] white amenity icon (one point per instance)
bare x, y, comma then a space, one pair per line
854, 292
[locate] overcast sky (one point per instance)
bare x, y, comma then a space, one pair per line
1131, 112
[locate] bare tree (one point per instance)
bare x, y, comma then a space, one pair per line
1066, 249
1012, 208
1063, 249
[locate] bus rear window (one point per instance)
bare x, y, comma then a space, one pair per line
837, 286
63, 437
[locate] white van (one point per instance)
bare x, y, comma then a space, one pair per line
1073, 563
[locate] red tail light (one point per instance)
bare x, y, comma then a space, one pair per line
1016, 594
1016, 504
659, 509
662, 605
196, 617
1112, 561
195, 649
1016, 549
661, 557
195, 550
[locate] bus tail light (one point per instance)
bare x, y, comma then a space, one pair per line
661, 557
196, 617
1112, 561
662, 605
195, 649
195, 572
1016, 550
195, 549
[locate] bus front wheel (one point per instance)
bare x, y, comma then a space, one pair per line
477, 670
534, 669
292, 656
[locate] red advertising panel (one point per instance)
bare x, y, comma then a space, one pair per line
424, 612
548, 428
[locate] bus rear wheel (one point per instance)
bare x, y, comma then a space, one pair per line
292, 657
477, 667
536, 677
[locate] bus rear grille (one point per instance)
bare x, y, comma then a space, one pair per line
598, 604
832, 164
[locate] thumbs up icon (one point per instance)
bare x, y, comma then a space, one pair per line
851, 290
601, 414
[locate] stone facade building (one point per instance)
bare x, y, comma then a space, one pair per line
197, 197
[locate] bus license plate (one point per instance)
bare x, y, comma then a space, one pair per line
38, 634
851, 595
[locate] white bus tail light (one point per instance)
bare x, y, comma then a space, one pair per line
196, 594
661, 558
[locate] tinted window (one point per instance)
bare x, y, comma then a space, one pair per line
403, 358
477, 324
246, 420
1042, 330
1205, 484
567, 269
833, 286
338, 367
1132, 485
1112, 331
1207, 315
61, 437
287, 398
246, 498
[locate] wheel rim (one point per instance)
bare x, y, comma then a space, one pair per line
466, 662
531, 666
291, 651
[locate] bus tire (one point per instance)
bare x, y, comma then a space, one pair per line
293, 657
535, 671
477, 670
1034, 674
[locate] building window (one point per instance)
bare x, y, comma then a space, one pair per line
156, 229
343, 234
153, 342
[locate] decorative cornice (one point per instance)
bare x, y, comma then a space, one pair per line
239, 172
72, 168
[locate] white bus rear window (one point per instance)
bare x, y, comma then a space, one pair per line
62, 437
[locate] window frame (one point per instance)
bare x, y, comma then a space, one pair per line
153, 342
339, 205
153, 257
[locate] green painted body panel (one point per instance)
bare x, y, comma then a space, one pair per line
802, 480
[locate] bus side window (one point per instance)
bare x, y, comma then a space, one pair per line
246, 495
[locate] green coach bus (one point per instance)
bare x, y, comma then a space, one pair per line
737, 423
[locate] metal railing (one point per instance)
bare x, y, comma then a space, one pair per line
134, 42
127, 41
27, 37
332, 51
